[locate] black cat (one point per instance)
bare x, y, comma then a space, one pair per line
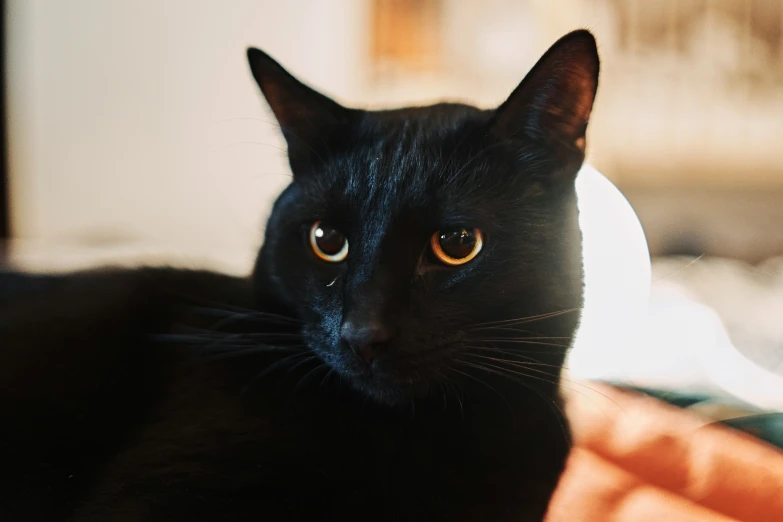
395, 355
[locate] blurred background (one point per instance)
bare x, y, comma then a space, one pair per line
134, 129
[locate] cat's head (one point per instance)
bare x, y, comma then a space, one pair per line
432, 241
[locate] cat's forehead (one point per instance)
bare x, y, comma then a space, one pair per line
408, 164
406, 152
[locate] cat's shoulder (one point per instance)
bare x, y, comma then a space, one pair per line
102, 289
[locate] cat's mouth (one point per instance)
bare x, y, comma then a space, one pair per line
391, 389
389, 380
400, 371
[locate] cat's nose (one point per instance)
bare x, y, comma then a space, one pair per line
365, 339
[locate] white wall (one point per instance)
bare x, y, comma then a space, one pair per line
139, 120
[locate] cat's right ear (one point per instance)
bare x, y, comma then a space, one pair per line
552, 105
307, 118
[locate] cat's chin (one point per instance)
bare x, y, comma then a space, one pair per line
385, 385
390, 390
388, 380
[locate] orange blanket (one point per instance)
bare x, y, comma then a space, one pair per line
637, 459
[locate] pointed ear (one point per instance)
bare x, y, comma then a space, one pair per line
552, 104
307, 118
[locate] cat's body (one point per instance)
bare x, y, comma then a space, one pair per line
379, 385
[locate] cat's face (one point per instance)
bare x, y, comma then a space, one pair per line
404, 233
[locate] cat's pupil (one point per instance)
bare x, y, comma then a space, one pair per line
458, 243
329, 239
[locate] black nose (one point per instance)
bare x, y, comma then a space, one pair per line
364, 339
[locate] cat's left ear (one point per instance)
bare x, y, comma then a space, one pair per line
552, 105
308, 119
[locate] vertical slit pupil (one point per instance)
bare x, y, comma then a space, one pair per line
458, 243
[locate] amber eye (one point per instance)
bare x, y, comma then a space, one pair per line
456, 246
328, 243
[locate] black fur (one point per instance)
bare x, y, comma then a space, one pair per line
170, 395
